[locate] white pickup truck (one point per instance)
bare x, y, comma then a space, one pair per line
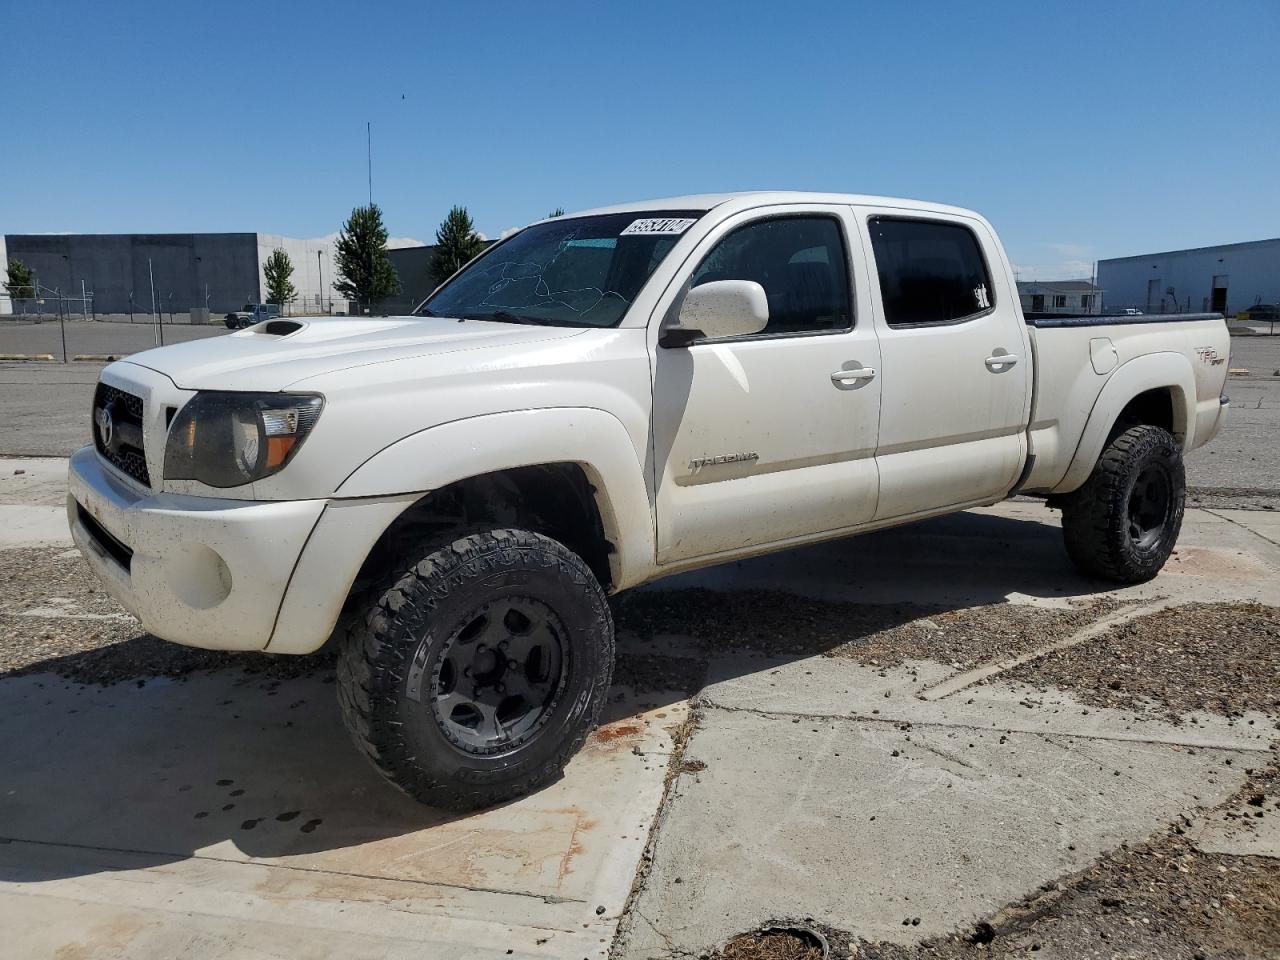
597, 401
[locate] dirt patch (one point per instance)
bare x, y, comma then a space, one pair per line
774, 622
773, 945
1219, 658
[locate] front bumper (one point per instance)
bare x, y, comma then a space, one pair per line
200, 571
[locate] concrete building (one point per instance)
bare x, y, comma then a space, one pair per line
1224, 279
413, 264
1060, 296
221, 271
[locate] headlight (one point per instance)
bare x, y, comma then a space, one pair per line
229, 439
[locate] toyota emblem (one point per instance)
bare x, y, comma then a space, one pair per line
102, 417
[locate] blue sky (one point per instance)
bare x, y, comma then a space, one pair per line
1082, 130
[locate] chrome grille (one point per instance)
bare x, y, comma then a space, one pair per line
117, 431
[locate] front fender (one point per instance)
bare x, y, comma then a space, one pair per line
1152, 371
594, 439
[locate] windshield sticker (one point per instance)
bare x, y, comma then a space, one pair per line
658, 226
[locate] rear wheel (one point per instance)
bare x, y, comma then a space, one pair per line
1124, 522
479, 668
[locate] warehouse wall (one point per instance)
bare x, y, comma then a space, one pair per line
114, 267
1249, 271
313, 296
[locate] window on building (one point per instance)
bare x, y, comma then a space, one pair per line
930, 272
801, 264
1060, 300
1086, 301
1037, 303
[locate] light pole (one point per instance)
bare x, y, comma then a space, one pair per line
320, 269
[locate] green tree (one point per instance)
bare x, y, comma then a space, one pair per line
557, 212
365, 272
278, 271
456, 243
20, 284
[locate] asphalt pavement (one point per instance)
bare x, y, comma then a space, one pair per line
47, 405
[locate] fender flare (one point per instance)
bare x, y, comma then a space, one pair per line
593, 439
1153, 371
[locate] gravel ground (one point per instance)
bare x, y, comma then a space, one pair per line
1220, 658
91, 639
773, 622
1159, 900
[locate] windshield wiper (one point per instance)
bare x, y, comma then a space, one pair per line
502, 316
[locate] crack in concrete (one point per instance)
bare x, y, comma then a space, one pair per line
1245, 527
547, 898
1112, 738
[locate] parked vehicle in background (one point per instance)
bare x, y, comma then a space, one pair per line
595, 402
251, 314
1260, 313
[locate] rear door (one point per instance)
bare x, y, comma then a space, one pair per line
765, 438
955, 358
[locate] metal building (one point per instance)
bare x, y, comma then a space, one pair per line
220, 271
1069, 297
1224, 279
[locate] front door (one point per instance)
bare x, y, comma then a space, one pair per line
953, 346
771, 437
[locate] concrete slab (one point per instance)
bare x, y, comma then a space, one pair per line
33, 526
35, 481
842, 689
229, 814
1246, 830
815, 795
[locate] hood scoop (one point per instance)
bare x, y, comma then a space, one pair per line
280, 328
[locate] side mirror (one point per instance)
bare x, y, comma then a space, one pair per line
722, 308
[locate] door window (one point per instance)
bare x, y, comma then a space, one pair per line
801, 264
930, 272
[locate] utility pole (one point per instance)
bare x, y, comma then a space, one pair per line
368, 133
155, 317
84, 301
320, 268
62, 326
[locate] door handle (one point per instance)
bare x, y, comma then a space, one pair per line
1000, 360
849, 376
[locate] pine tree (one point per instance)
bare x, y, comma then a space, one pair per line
456, 244
278, 271
557, 212
365, 272
20, 284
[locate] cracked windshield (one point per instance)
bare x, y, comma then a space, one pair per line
581, 272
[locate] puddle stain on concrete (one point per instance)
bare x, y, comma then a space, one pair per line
105, 939
1213, 562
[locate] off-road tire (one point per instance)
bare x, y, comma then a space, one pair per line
1096, 519
409, 618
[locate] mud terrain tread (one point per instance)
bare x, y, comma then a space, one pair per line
374, 651
1093, 517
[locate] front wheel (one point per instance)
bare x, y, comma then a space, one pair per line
480, 668
1124, 522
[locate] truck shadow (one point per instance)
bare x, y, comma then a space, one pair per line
240, 765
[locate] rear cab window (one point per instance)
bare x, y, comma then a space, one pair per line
931, 271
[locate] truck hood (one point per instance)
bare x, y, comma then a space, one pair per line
270, 356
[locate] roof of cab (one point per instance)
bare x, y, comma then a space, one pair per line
753, 198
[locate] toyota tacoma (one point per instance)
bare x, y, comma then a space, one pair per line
597, 401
